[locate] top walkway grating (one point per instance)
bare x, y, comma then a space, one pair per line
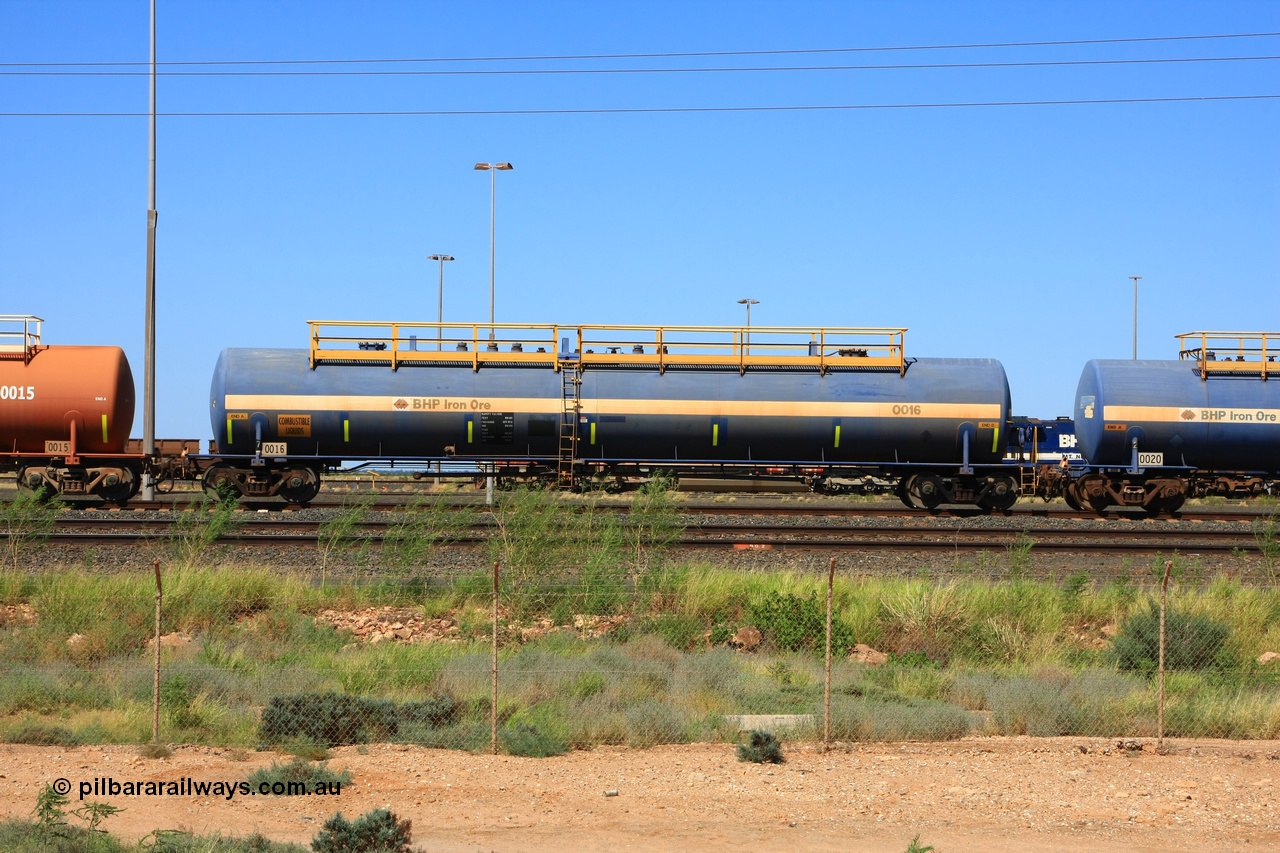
661, 347
1231, 353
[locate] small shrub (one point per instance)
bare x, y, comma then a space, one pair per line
306, 750
154, 750
1074, 588
337, 719
676, 629
378, 831
43, 734
651, 721
530, 741
48, 811
793, 624
95, 813
873, 714
439, 710
1026, 706
1191, 642
299, 773
761, 748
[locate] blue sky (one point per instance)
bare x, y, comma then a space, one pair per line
988, 231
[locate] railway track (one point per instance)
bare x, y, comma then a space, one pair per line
893, 510
923, 535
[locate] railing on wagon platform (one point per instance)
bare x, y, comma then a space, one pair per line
1231, 352
477, 344
19, 336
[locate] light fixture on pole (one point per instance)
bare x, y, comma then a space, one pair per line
746, 341
440, 298
491, 168
1136, 279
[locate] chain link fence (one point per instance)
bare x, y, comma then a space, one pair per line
576, 630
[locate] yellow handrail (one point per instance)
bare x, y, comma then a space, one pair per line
1231, 352
396, 343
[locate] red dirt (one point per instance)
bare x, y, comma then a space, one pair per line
978, 794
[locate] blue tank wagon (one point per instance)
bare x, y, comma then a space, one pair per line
621, 400
1155, 432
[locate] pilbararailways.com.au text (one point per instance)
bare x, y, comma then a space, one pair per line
107, 786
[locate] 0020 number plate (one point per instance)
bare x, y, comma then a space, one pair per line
1150, 460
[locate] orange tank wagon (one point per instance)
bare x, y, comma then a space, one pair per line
65, 414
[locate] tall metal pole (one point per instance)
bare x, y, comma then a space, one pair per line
493, 212
149, 380
1136, 279
491, 168
746, 343
440, 298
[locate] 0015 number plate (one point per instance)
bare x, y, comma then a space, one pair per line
57, 447
275, 448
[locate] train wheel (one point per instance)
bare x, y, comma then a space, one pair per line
219, 483
1092, 494
901, 491
1169, 504
1069, 495
924, 491
117, 490
1000, 496
31, 480
301, 485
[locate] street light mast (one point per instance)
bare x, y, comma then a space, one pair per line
746, 341
491, 168
1136, 279
440, 299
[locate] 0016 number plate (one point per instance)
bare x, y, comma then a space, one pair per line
275, 448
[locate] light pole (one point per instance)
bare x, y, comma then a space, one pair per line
440, 299
149, 328
491, 168
746, 343
1136, 279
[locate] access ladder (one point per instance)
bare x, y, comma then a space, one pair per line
571, 406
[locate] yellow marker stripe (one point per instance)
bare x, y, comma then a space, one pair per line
1190, 414
346, 429
104, 429
618, 406
837, 435
715, 435
593, 432
470, 432
228, 430
995, 439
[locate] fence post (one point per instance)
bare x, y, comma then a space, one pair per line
1164, 597
155, 687
493, 704
826, 678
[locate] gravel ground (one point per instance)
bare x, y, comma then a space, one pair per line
979, 794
